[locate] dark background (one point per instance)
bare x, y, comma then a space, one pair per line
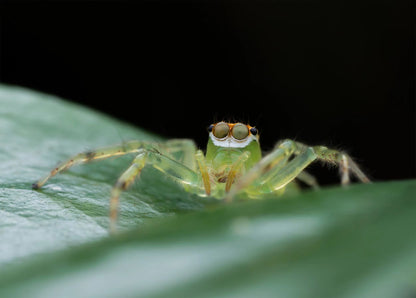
339, 73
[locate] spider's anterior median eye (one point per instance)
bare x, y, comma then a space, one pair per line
221, 130
240, 131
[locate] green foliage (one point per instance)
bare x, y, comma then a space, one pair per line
338, 242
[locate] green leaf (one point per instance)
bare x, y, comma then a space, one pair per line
338, 242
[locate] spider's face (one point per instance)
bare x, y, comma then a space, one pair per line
227, 141
232, 135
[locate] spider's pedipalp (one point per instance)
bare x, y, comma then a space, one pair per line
200, 159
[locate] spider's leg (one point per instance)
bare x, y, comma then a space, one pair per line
125, 180
272, 181
271, 163
342, 159
173, 169
101, 153
182, 150
308, 179
274, 171
306, 155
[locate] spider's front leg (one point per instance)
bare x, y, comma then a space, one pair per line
178, 172
101, 153
346, 164
275, 170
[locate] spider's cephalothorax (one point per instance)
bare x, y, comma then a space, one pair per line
232, 165
232, 149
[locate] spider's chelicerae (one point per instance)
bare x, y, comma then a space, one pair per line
232, 164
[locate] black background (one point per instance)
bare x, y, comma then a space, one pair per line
339, 73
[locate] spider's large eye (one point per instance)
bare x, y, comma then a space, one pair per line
221, 130
240, 131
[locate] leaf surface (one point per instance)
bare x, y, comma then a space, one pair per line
338, 242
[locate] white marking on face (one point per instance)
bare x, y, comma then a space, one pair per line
230, 142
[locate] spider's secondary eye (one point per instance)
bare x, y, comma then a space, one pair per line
254, 131
210, 127
240, 131
221, 130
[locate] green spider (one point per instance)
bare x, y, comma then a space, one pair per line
232, 165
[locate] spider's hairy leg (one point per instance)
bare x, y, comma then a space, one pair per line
343, 160
170, 167
101, 153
